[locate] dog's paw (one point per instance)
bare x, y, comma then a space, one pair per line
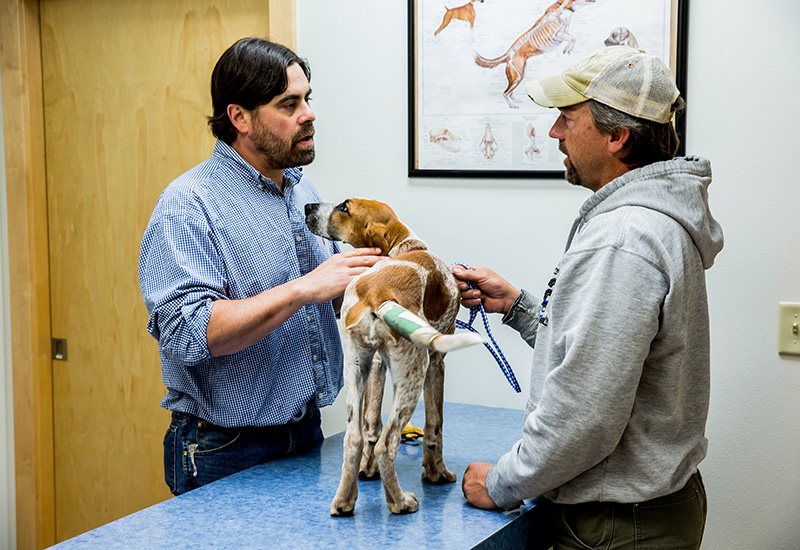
408, 504
367, 476
342, 509
442, 477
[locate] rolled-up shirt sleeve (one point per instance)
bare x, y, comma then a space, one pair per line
181, 275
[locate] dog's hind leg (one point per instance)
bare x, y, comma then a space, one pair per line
373, 399
408, 375
514, 75
434, 469
357, 362
448, 16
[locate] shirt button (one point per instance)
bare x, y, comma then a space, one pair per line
314, 358
298, 238
308, 318
321, 395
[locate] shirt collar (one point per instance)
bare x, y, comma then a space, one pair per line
291, 176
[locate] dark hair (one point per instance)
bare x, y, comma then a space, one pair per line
250, 73
649, 141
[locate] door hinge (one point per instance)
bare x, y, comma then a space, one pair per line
59, 347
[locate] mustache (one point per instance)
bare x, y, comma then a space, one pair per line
562, 148
306, 129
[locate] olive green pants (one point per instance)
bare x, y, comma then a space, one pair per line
672, 522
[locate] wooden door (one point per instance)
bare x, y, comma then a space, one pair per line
125, 99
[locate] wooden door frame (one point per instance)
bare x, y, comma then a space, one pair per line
29, 275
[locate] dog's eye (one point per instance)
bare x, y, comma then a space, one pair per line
343, 208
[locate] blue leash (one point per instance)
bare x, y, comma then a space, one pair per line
494, 349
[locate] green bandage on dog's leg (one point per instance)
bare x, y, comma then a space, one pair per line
406, 324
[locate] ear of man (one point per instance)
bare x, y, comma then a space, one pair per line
618, 139
240, 117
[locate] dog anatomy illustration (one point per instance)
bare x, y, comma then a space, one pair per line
464, 13
548, 33
488, 144
445, 139
531, 149
621, 36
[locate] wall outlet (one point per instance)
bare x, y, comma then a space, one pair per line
789, 328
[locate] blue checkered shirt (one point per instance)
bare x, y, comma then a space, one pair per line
222, 231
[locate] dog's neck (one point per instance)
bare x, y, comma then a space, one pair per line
409, 243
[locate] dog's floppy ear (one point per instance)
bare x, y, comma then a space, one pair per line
378, 236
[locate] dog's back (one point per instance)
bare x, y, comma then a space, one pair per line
417, 280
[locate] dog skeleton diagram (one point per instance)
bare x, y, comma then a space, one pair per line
546, 35
530, 150
445, 139
488, 145
621, 36
462, 82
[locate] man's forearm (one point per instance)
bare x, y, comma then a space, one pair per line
238, 324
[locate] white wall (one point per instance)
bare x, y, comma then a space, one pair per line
742, 115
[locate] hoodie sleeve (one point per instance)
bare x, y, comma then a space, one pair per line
604, 313
523, 316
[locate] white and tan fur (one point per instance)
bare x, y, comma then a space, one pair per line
420, 282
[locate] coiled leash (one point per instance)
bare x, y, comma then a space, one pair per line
494, 349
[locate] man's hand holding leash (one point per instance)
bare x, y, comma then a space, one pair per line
482, 285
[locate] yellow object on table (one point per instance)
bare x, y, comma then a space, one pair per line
411, 433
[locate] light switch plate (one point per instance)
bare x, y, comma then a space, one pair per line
789, 328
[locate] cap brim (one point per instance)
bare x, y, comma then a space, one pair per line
553, 91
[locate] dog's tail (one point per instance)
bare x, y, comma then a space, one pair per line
417, 331
490, 63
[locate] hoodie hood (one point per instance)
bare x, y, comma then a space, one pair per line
677, 188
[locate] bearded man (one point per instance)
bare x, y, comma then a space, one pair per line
242, 297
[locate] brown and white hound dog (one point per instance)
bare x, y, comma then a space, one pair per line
404, 308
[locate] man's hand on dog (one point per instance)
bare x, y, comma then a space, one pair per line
496, 294
332, 276
473, 485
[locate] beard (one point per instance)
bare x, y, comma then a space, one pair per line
284, 153
571, 174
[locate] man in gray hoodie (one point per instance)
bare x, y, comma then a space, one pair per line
614, 425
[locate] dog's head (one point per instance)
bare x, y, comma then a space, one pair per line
358, 222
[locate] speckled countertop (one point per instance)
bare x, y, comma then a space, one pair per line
285, 504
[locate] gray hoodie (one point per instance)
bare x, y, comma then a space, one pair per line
620, 379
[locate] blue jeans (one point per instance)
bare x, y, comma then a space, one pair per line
197, 452
672, 522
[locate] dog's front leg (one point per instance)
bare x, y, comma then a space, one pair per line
563, 35
373, 398
434, 469
357, 361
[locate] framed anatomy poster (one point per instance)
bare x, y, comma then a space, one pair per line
469, 60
